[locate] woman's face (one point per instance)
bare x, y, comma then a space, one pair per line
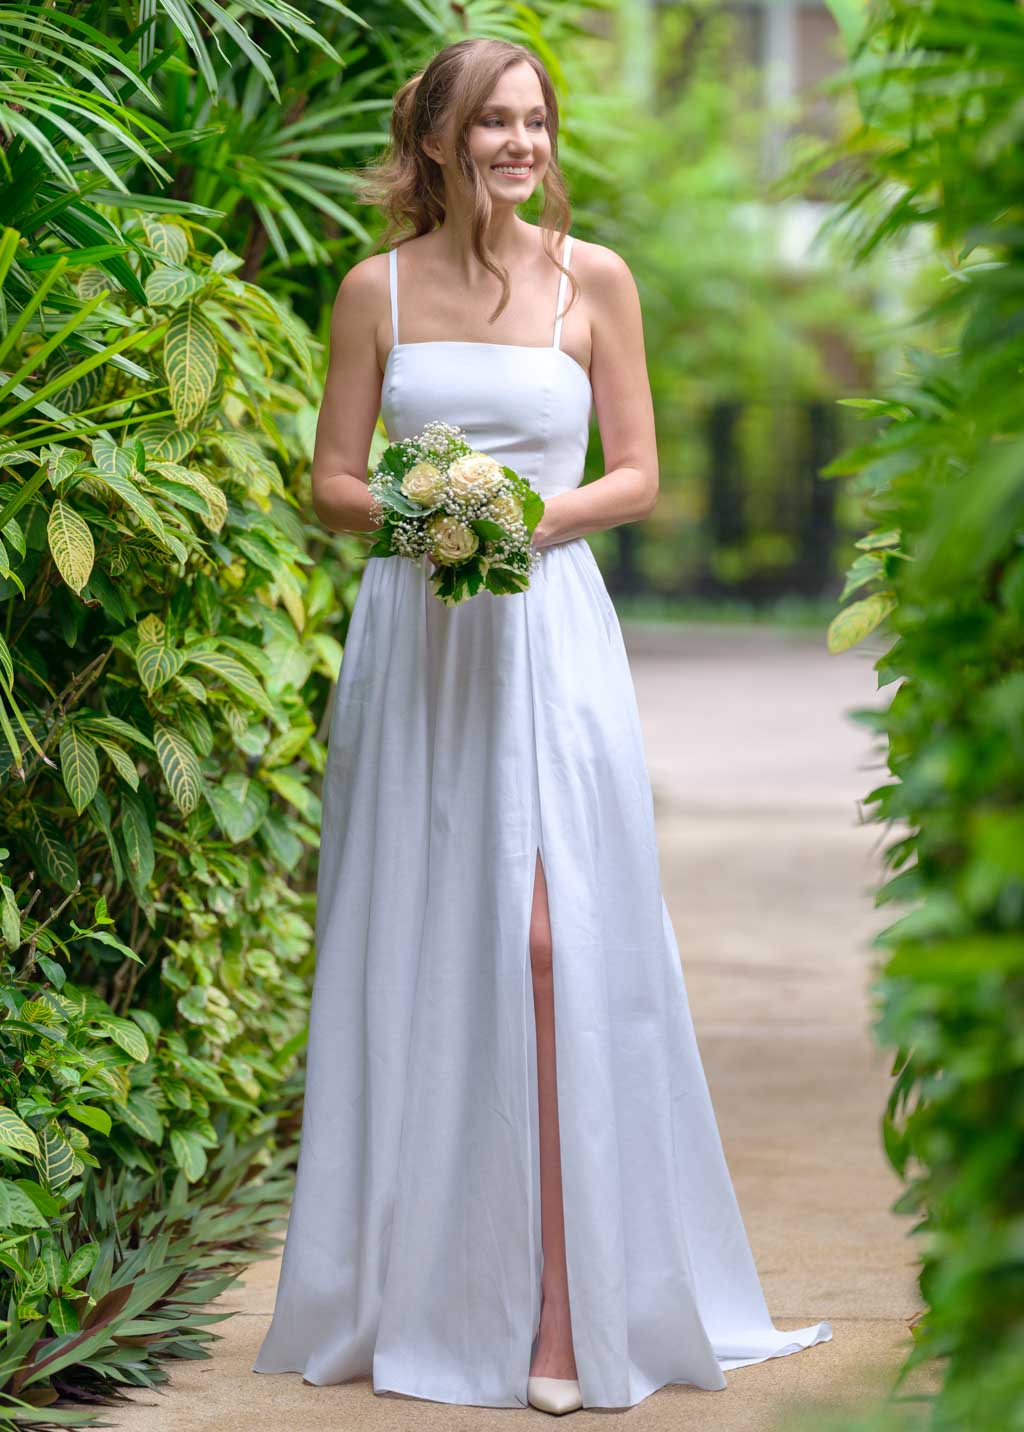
510, 131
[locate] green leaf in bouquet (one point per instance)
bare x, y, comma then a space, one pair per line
533, 508
391, 496
488, 530
381, 546
503, 580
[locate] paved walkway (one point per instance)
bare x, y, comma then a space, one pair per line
768, 871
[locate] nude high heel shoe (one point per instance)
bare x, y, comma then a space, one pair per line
554, 1394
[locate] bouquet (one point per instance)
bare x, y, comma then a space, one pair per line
435, 495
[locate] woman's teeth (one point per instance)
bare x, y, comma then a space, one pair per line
519, 170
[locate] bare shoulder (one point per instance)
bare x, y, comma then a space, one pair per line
599, 266
363, 283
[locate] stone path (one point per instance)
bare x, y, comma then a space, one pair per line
768, 870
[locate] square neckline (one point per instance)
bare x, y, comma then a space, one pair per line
483, 343
555, 346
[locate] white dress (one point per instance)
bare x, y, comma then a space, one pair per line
462, 741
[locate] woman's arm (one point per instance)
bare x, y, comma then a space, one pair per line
628, 490
351, 402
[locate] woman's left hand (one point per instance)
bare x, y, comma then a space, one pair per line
545, 532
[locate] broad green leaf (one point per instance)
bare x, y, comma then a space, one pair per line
142, 1116
859, 620
10, 917
189, 1154
91, 1116
62, 1316
138, 836
16, 1209
81, 1263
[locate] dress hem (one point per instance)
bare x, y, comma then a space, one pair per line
803, 1338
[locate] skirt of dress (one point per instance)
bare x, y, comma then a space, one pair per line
463, 740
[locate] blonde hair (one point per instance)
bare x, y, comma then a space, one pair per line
409, 186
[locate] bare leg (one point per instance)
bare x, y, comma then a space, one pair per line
554, 1356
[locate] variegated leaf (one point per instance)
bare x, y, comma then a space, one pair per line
93, 281
61, 462
126, 1034
190, 361
151, 628
167, 286
170, 241
111, 460
81, 1263
216, 502
71, 544
56, 858
16, 1134
121, 761
180, 766
245, 454
56, 1160
235, 674
139, 503
114, 726
79, 767
157, 664
62, 1316
162, 438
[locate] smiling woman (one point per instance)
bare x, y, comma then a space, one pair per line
481, 1217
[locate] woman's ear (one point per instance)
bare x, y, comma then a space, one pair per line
432, 149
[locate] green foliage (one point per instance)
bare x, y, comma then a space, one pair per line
943, 480
164, 646
170, 627
167, 639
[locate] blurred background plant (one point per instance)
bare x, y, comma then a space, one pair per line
933, 159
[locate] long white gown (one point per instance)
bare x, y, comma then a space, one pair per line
462, 741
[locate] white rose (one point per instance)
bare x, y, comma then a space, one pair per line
506, 509
474, 475
451, 541
423, 483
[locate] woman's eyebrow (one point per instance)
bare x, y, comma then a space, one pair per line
507, 109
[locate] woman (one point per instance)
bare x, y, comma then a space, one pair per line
489, 887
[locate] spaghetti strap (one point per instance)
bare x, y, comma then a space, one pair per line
567, 256
393, 287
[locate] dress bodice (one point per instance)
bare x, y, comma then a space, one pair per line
526, 406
